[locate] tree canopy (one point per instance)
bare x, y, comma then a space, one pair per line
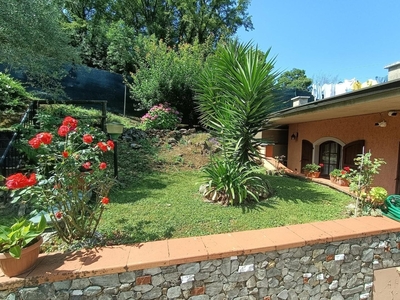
294, 79
33, 40
93, 23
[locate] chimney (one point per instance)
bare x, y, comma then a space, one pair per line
300, 100
393, 71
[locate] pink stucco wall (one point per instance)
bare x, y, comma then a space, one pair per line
382, 141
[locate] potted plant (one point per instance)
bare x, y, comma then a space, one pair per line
334, 175
20, 245
312, 170
344, 177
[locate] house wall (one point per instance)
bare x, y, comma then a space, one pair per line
382, 141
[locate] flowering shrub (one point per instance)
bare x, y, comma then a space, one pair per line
161, 116
70, 181
312, 167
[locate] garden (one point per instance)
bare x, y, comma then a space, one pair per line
172, 182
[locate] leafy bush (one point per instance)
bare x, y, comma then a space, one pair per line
161, 116
13, 96
230, 182
70, 181
167, 75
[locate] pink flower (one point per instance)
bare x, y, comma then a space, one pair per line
87, 165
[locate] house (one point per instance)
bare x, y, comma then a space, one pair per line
334, 130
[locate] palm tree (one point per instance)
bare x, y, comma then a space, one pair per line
235, 97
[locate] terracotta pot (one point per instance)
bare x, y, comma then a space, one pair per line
13, 267
312, 174
343, 182
333, 178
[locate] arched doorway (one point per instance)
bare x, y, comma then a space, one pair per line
329, 155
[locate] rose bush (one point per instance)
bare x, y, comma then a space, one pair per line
161, 116
70, 180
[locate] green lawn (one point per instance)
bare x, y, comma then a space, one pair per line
168, 205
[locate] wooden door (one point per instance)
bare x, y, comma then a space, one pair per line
306, 153
350, 151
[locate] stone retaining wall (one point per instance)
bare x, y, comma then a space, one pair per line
335, 270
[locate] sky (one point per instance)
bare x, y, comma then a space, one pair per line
328, 39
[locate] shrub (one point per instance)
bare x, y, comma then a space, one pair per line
161, 116
13, 96
70, 181
230, 182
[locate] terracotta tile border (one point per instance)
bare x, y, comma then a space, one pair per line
109, 260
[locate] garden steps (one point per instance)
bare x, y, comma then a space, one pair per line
53, 267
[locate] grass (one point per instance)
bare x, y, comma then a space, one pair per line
167, 205
158, 196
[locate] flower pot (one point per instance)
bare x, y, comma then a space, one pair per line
312, 174
12, 266
333, 179
343, 182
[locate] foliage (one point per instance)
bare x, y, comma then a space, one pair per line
167, 205
335, 173
13, 96
106, 31
73, 181
19, 235
33, 41
295, 78
312, 167
161, 116
377, 196
166, 75
230, 182
362, 177
235, 98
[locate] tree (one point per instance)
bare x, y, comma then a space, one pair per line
166, 75
294, 79
32, 40
175, 22
235, 97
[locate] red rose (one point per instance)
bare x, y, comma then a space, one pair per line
347, 169
65, 154
321, 165
58, 215
45, 137
102, 166
34, 142
87, 138
32, 179
87, 165
63, 130
19, 180
102, 146
110, 144
70, 122
105, 200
